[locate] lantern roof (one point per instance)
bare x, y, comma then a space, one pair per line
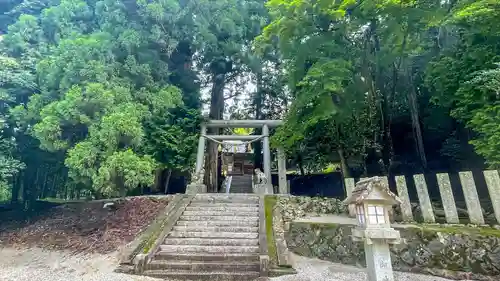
374, 188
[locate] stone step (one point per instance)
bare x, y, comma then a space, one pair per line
243, 198
210, 241
222, 201
219, 218
236, 190
219, 223
207, 234
163, 255
211, 229
223, 205
209, 249
200, 275
227, 196
209, 212
204, 265
223, 208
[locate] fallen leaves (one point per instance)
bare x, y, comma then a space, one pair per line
84, 227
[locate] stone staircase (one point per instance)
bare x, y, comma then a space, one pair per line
241, 184
215, 238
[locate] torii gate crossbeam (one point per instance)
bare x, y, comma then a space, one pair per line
264, 124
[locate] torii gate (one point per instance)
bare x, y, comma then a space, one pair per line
197, 185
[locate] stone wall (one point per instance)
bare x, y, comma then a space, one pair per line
293, 207
453, 252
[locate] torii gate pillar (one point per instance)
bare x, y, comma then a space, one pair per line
264, 124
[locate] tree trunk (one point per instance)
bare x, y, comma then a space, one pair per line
65, 194
24, 195
121, 187
415, 120
78, 192
216, 109
387, 144
158, 178
17, 188
301, 166
167, 180
346, 173
35, 191
53, 188
44, 185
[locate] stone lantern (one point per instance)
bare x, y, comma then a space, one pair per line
373, 200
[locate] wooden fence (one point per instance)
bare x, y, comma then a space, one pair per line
447, 210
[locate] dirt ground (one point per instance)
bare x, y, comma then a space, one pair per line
82, 227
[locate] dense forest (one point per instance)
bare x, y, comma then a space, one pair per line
105, 97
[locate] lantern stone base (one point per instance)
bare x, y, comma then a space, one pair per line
378, 261
377, 254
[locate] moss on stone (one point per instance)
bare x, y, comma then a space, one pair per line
483, 231
269, 203
149, 241
446, 251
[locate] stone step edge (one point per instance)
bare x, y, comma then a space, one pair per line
209, 248
220, 218
198, 241
201, 273
194, 255
188, 262
220, 223
221, 213
247, 229
211, 234
222, 205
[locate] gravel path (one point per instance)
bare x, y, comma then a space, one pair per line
317, 270
39, 265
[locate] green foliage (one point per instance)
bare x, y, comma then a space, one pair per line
13, 80
361, 65
98, 96
486, 117
98, 75
465, 77
124, 170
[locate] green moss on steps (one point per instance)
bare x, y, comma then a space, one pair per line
269, 203
150, 240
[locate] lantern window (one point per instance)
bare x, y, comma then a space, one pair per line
376, 214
